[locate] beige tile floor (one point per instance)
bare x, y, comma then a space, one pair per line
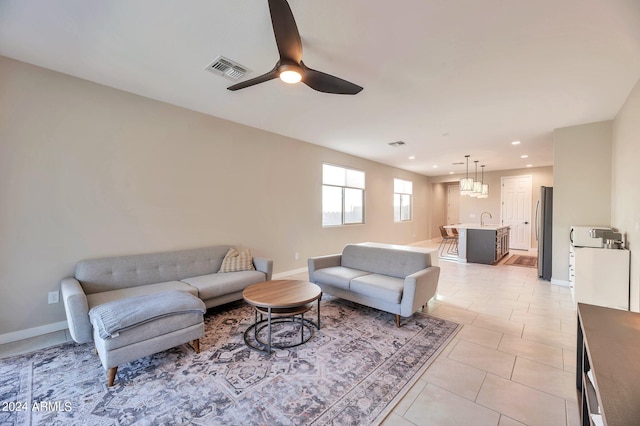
512, 363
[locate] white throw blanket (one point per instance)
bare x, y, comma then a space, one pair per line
113, 317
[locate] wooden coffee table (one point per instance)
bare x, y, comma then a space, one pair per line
281, 301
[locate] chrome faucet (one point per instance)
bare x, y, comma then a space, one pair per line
482, 218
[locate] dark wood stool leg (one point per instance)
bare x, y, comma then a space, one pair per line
111, 376
196, 345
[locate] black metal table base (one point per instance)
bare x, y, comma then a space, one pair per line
258, 326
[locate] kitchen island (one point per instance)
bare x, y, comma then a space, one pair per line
482, 243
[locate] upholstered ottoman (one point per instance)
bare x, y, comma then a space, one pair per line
127, 329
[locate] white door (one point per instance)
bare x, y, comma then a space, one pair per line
453, 204
516, 210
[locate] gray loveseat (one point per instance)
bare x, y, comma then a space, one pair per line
395, 279
98, 281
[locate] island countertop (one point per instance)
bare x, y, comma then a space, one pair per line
489, 226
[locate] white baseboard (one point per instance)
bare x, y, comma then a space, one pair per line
562, 283
418, 243
14, 336
284, 274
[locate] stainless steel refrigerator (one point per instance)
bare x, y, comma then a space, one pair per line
544, 225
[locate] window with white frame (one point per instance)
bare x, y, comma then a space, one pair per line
342, 196
402, 200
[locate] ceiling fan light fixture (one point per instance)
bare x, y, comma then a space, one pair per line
290, 67
290, 74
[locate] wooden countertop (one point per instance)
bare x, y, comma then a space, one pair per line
612, 340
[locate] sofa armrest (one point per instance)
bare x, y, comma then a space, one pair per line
76, 307
264, 265
320, 262
419, 288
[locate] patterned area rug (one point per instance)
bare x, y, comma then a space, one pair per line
352, 371
526, 261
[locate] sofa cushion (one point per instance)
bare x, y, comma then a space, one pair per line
215, 285
337, 276
96, 299
386, 261
237, 260
379, 287
148, 330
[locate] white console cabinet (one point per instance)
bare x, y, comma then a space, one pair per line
600, 276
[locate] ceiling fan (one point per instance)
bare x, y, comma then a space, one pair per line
290, 67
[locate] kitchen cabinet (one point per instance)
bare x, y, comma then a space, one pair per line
482, 244
502, 242
607, 369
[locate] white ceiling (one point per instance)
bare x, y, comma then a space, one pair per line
448, 78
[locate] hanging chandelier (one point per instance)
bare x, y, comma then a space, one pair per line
477, 185
484, 192
466, 183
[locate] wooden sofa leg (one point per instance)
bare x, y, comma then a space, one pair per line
196, 345
397, 320
111, 376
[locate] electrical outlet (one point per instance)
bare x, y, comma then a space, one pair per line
297, 256
54, 297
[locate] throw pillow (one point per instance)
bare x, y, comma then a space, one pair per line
237, 260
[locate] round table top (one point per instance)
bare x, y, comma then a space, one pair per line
281, 293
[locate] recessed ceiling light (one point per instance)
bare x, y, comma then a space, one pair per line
450, 173
515, 143
435, 166
413, 157
524, 156
529, 165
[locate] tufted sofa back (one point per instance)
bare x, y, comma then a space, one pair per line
98, 275
385, 261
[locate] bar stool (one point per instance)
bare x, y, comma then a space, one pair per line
454, 231
450, 242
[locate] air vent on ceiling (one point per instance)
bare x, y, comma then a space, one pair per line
458, 164
397, 144
227, 68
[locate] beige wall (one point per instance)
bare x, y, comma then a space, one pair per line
472, 208
582, 189
438, 207
89, 171
625, 202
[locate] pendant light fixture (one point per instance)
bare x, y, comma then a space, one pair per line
485, 186
466, 183
477, 185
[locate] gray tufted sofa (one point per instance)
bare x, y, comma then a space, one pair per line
395, 279
146, 303
98, 281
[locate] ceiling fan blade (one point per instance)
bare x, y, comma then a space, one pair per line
326, 83
285, 30
256, 80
